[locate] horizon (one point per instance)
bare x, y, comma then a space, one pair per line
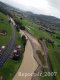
44, 10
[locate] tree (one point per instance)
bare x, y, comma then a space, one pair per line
24, 40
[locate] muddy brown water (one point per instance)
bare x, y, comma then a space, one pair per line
28, 65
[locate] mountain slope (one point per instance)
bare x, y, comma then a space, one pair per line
44, 20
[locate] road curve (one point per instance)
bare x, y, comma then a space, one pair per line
28, 65
10, 46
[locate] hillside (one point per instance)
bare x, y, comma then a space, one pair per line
44, 20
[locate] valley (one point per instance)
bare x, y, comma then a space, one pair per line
29, 43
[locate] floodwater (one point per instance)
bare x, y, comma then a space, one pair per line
29, 65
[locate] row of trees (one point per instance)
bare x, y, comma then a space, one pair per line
19, 24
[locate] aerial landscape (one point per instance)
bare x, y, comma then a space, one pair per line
29, 41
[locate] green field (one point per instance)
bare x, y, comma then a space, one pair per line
18, 40
5, 25
55, 59
9, 69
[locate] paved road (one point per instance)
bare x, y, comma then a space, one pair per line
10, 46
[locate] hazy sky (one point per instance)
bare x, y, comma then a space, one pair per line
49, 7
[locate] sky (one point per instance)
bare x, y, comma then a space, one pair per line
47, 7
